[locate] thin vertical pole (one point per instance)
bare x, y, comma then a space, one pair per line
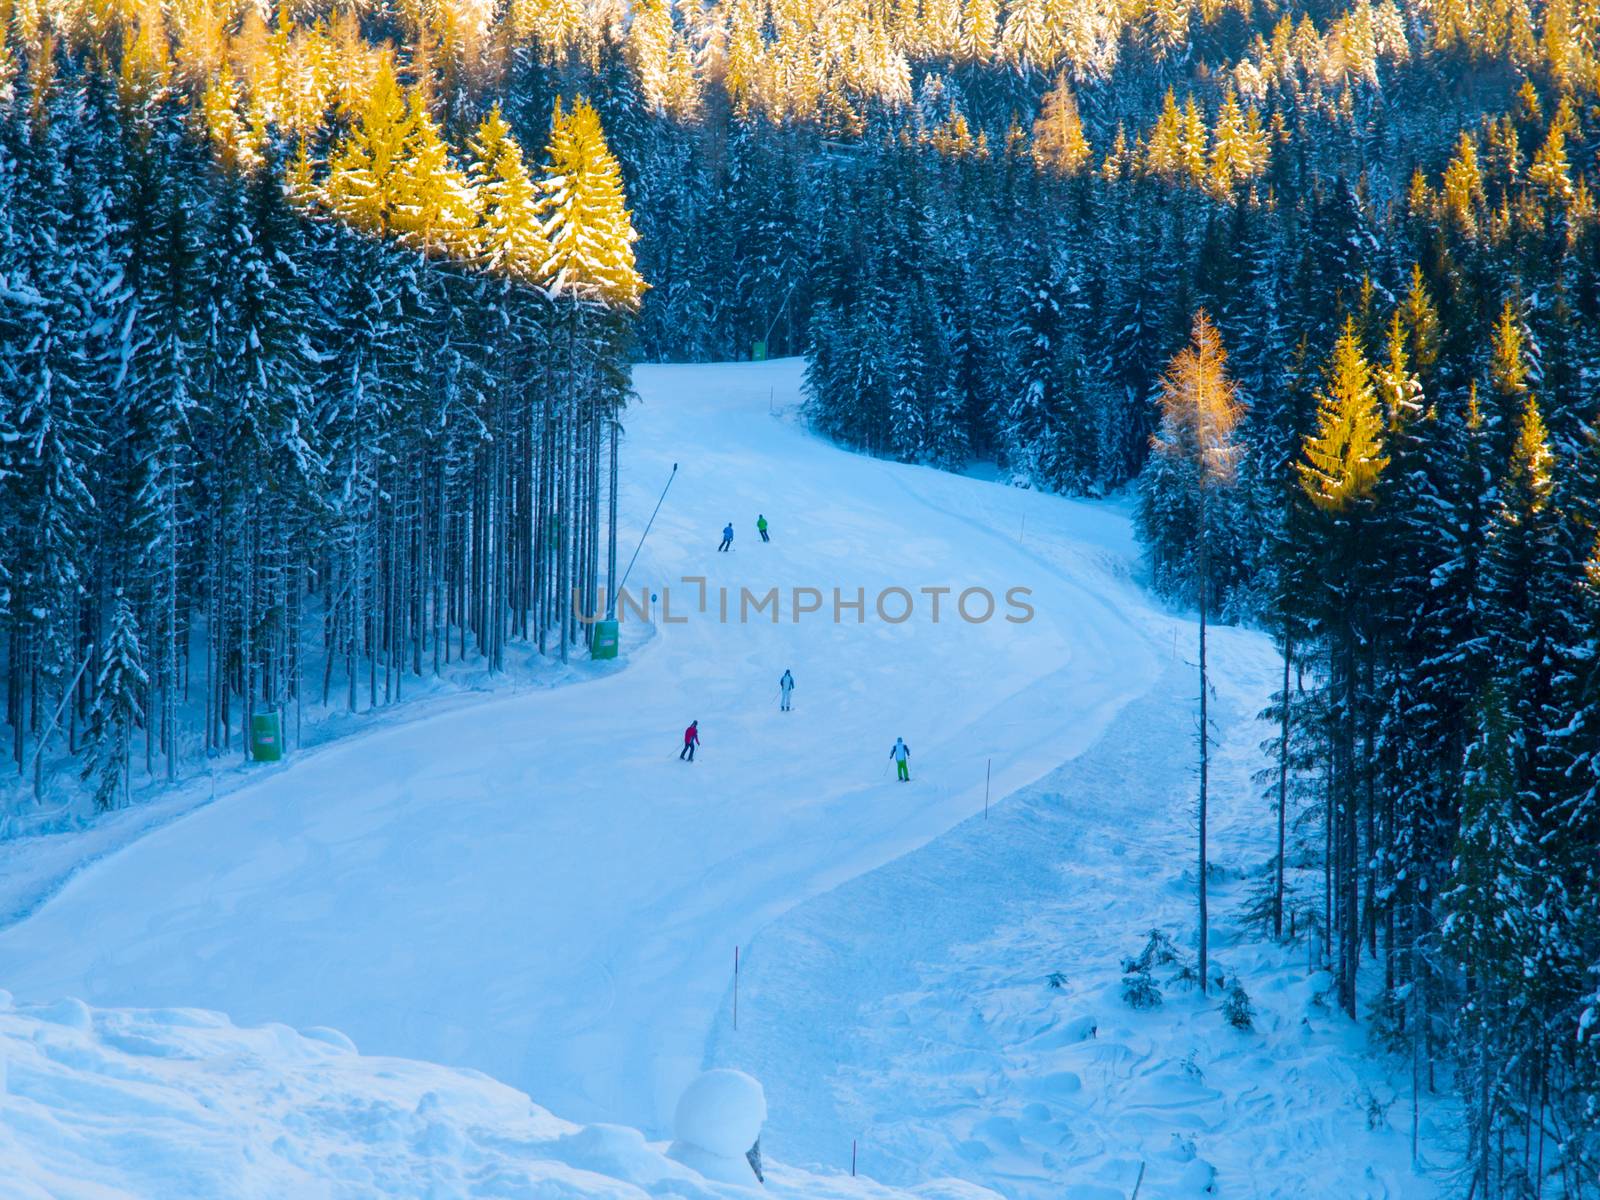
736, 988
611, 527
852, 1158
988, 766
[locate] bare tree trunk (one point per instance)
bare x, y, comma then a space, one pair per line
611, 525
1205, 746
1283, 788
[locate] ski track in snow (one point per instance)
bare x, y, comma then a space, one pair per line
535, 887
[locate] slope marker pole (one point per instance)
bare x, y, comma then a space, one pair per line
988, 766
736, 988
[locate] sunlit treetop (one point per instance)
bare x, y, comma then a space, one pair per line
1343, 457
586, 219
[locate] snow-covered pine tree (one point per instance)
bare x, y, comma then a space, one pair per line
120, 691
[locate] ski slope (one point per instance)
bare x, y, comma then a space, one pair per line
536, 887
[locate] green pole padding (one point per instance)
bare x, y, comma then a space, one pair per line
604, 643
266, 737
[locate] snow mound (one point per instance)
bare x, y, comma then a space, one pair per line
102, 1102
721, 1112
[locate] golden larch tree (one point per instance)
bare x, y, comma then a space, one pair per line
1463, 185
1163, 154
1421, 318
512, 236
979, 26
432, 206
1058, 141
1192, 139
360, 185
1399, 388
1200, 411
1025, 42
1530, 476
586, 218
1552, 168
1231, 154
1343, 457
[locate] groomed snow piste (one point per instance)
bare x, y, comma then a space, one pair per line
537, 888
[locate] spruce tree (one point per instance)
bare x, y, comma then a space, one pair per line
120, 690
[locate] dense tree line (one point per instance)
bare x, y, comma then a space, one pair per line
254, 457
1433, 583
1417, 517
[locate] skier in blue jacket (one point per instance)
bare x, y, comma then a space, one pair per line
727, 537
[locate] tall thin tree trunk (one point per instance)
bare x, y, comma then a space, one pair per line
1283, 788
611, 526
1205, 746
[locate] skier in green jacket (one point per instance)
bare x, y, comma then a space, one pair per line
761, 527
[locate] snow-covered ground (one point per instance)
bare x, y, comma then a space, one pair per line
179, 1103
535, 886
988, 1039
42, 844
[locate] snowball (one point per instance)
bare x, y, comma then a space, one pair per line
721, 1112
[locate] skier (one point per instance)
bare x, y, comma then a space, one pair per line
901, 753
785, 686
761, 527
727, 537
691, 739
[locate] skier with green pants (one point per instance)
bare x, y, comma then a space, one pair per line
901, 753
